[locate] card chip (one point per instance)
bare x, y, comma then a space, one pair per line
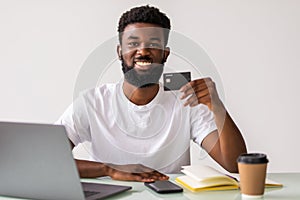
174, 81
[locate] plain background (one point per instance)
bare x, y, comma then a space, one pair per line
254, 44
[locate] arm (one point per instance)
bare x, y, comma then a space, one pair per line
227, 143
133, 172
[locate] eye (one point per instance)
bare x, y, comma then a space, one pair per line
154, 45
133, 44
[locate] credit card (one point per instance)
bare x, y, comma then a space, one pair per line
174, 81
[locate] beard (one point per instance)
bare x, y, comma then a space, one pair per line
146, 79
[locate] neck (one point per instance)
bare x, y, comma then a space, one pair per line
140, 96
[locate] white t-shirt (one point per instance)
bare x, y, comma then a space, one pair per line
156, 135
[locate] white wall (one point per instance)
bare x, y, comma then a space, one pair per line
253, 43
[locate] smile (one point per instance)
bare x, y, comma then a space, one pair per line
143, 63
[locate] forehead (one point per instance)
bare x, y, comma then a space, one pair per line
143, 31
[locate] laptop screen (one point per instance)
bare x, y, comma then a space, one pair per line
37, 162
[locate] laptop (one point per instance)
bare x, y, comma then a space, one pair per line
36, 162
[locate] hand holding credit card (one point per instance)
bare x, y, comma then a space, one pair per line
174, 81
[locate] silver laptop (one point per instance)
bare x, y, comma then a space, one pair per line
36, 162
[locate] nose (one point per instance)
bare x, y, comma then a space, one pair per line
143, 50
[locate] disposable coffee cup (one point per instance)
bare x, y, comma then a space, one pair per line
252, 169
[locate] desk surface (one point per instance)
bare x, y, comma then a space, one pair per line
290, 190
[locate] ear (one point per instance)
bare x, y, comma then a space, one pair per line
119, 52
166, 53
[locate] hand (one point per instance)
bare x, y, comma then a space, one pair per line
201, 91
134, 172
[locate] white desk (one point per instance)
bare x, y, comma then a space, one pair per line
290, 190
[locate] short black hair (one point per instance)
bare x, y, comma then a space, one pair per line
145, 14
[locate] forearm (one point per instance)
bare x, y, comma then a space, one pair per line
90, 169
231, 140
130, 172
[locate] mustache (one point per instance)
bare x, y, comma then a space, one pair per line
147, 58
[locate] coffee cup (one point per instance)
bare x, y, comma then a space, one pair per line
252, 169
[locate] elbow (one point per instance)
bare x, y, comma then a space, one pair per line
232, 168
230, 164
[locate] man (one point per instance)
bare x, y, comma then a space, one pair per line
137, 130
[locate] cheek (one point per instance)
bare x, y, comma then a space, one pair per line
127, 52
128, 58
159, 56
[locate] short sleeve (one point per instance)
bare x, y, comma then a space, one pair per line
202, 123
75, 119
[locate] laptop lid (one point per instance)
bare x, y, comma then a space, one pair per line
37, 162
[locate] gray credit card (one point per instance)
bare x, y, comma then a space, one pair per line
174, 81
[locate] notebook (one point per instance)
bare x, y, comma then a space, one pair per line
37, 163
205, 178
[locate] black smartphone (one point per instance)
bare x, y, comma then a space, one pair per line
174, 81
163, 187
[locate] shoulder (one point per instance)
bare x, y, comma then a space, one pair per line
103, 90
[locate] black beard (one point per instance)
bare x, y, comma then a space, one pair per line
149, 78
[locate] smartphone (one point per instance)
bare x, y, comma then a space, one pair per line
163, 187
174, 81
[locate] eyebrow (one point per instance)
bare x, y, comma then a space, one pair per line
157, 39
136, 38
133, 37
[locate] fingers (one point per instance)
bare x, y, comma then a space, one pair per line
136, 172
198, 91
152, 176
160, 176
195, 99
151, 173
141, 177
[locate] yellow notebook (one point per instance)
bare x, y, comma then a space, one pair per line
204, 178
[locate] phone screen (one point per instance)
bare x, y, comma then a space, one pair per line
163, 187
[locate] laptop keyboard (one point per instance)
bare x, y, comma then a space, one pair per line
90, 193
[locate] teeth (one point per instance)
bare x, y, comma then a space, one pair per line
143, 63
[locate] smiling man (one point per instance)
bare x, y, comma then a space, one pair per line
142, 52
137, 130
